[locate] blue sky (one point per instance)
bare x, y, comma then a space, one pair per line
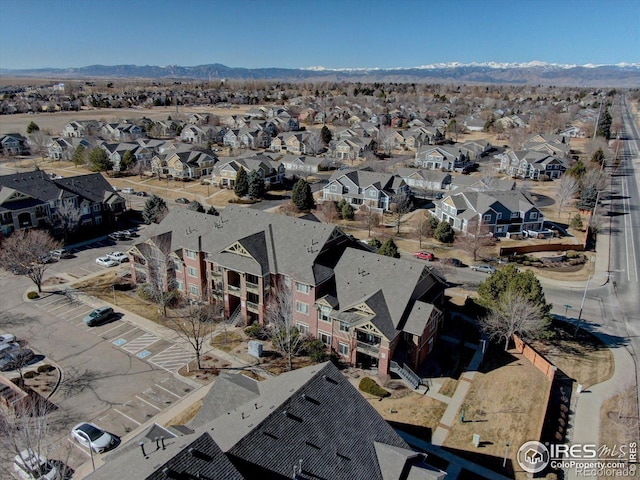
305, 33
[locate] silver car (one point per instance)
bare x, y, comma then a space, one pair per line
90, 436
484, 268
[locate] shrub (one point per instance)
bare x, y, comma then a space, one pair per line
317, 351
256, 331
32, 295
30, 374
572, 254
45, 368
368, 385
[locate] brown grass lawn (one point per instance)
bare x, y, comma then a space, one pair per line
619, 424
583, 358
227, 341
506, 402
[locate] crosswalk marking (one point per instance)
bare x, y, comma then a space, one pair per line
172, 358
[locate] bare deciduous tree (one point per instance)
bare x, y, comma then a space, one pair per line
566, 190
401, 205
512, 313
285, 336
315, 143
369, 218
67, 218
475, 243
385, 139
422, 228
160, 286
25, 252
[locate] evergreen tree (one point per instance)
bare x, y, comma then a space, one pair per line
588, 198
155, 209
347, 212
99, 160
196, 206
302, 196
389, 249
32, 127
598, 156
375, 243
127, 161
510, 278
604, 126
213, 211
326, 135
257, 189
577, 170
444, 233
576, 222
242, 183
79, 155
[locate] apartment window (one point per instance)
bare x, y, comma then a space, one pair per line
323, 314
324, 338
98, 220
302, 288
177, 266
193, 289
96, 208
190, 254
180, 285
344, 327
302, 308
191, 271
486, 218
343, 349
303, 328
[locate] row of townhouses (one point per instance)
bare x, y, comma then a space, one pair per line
238, 257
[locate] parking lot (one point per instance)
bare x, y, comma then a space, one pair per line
116, 375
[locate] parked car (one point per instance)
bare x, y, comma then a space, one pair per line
7, 338
484, 268
128, 190
60, 253
424, 255
15, 359
118, 257
453, 261
106, 262
439, 196
142, 194
90, 436
121, 235
98, 316
31, 466
183, 200
7, 348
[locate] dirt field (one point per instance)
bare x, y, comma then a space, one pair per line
53, 123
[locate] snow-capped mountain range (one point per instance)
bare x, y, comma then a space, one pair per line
534, 72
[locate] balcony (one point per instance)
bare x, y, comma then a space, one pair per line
253, 307
253, 288
233, 288
368, 348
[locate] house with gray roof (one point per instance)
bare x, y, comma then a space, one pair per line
238, 256
503, 213
303, 164
32, 199
288, 428
532, 164
364, 187
13, 144
422, 181
224, 173
442, 157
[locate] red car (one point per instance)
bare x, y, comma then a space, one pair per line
424, 255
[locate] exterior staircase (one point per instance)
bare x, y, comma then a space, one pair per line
405, 373
235, 318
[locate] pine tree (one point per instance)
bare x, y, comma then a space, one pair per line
99, 160
598, 156
242, 183
257, 189
389, 249
213, 211
155, 209
32, 127
79, 155
326, 135
302, 196
196, 206
576, 222
588, 198
347, 212
444, 233
128, 159
375, 243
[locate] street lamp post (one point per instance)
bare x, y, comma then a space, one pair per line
84, 434
506, 453
566, 310
584, 297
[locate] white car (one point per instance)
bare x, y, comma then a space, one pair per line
31, 466
484, 268
106, 262
128, 190
118, 257
88, 435
7, 338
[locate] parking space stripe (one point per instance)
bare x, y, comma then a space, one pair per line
80, 447
127, 417
148, 403
117, 326
168, 391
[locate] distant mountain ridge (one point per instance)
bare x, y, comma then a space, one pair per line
620, 75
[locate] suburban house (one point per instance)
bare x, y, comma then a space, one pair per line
34, 199
350, 148
189, 165
81, 128
63, 148
364, 187
198, 118
302, 164
224, 173
442, 157
421, 180
551, 144
284, 427
573, 132
290, 142
121, 132
337, 296
532, 164
116, 152
474, 124
13, 144
503, 213
475, 149
481, 184
246, 137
